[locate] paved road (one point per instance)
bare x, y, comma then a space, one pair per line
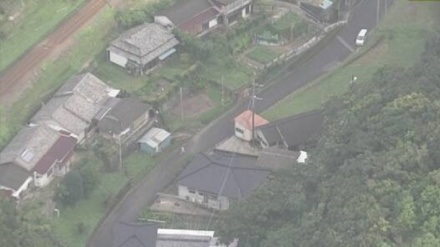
338, 49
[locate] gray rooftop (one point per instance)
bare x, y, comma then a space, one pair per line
275, 158
75, 104
29, 146
296, 130
144, 43
134, 234
237, 172
184, 10
122, 115
13, 176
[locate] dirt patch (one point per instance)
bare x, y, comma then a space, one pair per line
193, 105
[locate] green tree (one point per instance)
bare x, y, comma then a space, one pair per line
90, 177
24, 227
71, 189
372, 180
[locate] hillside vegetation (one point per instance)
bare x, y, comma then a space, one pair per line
374, 178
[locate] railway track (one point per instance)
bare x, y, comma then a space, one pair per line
32, 58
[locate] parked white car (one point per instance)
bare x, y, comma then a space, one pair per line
361, 37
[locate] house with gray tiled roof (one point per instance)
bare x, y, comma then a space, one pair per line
127, 117
295, 132
142, 48
74, 106
37, 153
14, 179
213, 180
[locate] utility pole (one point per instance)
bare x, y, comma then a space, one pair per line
222, 92
181, 103
253, 111
254, 97
120, 154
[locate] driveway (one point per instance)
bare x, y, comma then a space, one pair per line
363, 16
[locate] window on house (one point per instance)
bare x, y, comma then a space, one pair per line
192, 191
239, 130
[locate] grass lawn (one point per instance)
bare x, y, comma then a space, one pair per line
139, 164
286, 21
222, 68
404, 30
39, 18
220, 107
117, 76
90, 211
262, 54
174, 66
55, 74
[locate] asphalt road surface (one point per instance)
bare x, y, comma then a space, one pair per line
364, 15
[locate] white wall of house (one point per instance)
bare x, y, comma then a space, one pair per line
213, 23
244, 134
118, 59
42, 180
243, 13
195, 196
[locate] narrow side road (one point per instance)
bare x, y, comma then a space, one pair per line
335, 51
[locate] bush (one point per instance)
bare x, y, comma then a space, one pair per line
2, 35
78, 184
81, 228
300, 29
129, 18
71, 189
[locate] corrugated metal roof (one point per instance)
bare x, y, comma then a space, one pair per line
154, 137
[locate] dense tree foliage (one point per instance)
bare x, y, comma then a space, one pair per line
128, 18
373, 179
78, 184
24, 228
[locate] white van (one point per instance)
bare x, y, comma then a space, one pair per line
361, 37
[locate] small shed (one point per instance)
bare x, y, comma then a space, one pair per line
155, 140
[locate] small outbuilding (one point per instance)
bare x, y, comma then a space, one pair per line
155, 141
246, 122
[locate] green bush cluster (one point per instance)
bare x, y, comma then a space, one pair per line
128, 18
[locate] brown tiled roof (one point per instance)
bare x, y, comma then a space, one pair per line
245, 119
59, 152
184, 10
198, 19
